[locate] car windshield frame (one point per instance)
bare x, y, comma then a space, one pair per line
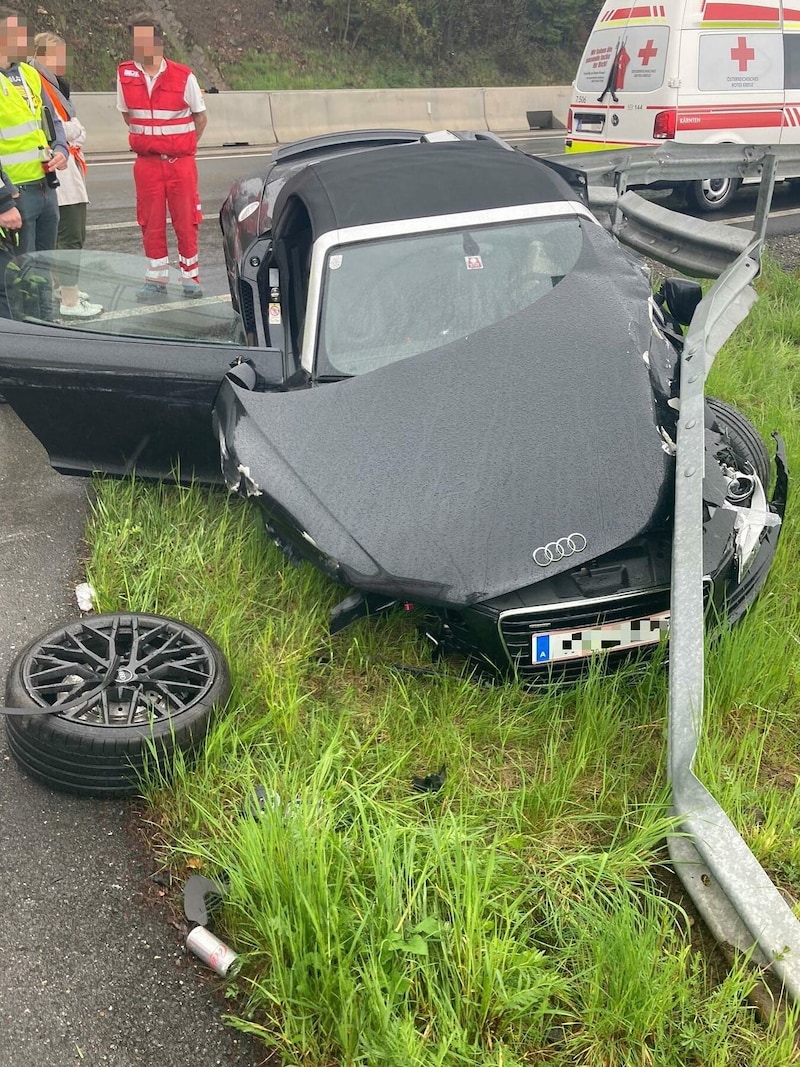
373, 232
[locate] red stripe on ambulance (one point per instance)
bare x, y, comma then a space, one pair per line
622, 14
732, 120
721, 12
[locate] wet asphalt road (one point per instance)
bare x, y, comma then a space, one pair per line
89, 973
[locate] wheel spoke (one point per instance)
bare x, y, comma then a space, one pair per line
136, 692
74, 693
162, 650
39, 678
171, 697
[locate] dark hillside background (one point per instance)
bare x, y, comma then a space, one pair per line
283, 44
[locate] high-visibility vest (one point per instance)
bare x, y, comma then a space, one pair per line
22, 139
160, 124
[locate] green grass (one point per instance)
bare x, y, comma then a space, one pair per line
523, 914
339, 67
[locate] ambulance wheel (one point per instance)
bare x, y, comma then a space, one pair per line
152, 684
712, 194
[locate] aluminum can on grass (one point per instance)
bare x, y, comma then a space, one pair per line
211, 950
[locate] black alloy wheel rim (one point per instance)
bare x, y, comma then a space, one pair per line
153, 669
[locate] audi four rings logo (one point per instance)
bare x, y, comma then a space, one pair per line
554, 551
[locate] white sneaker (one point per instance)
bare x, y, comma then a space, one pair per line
82, 310
81, 294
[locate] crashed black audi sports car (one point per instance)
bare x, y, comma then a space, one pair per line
448, 386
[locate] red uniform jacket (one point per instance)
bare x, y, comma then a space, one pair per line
161, 124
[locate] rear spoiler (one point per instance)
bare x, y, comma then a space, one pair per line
731, 890
605, 182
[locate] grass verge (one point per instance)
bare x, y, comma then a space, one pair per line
521, 914
339, 67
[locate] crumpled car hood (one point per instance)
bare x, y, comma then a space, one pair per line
437, 477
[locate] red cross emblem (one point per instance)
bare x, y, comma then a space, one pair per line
647, 53
743, 54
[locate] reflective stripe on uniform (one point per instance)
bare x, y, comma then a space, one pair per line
22, 157
148, 113
17, 131
184, 113
159, 131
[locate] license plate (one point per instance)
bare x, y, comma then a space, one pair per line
589, 126
557, 645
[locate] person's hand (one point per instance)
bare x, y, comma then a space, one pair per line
58, 161
11, 219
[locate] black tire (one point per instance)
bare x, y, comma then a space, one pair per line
712, 194
745, 440
168, 677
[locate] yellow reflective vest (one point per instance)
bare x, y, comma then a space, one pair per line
22, 138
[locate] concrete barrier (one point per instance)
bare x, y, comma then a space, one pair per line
105, 130
261, 118
305, 114
507, 109
237, 117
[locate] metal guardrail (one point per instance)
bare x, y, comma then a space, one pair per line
606, 182
731, 890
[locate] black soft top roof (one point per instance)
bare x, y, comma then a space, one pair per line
418, 181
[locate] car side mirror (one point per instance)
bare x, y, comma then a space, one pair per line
681, 295
262, 370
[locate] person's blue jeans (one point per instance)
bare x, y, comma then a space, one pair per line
38, 205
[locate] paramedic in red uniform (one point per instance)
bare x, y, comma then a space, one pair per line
163, 106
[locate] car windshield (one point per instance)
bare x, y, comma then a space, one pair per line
115, 281
386, 300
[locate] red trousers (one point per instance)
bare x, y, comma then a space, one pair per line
162, 183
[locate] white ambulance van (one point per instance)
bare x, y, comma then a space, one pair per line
699, 71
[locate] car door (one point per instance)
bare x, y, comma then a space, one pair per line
131, 390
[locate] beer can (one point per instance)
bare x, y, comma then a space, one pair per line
210, 950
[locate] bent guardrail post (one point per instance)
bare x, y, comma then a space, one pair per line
722, 876
765, 191
727, 884
724, 879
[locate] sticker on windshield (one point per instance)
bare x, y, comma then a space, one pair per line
335, 261
274, 314
473, 262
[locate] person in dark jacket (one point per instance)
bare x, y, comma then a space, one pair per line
10, 225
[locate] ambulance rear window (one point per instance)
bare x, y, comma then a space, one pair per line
791, 58
624, 59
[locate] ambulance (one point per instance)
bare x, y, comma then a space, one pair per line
698, 71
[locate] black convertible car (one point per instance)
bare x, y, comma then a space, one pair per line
447, 386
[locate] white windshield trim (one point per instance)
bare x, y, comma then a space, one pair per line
405, 227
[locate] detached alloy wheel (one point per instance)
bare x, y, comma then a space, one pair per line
150, 685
